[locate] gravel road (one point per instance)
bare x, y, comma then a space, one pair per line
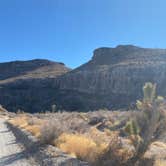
11, 153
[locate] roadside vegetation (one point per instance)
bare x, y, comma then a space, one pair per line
104, 138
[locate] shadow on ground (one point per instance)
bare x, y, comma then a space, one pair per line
12, 158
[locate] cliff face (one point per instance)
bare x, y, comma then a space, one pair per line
113, 78
27, 85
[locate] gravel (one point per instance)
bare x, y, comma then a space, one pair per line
11, 152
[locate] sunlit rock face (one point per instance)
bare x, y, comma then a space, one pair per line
113, 78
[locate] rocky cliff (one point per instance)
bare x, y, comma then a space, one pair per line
27, 85
113, 78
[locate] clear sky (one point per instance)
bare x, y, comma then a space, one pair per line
69, 30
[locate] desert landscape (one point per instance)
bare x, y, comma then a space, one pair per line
61, 116
102, 137
82, 83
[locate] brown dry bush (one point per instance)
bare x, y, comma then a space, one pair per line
96, 147
80, 146
34, 130
50, 131
160, 162
115, 154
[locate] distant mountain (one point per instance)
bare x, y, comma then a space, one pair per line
27, 85
38, 68
113, 78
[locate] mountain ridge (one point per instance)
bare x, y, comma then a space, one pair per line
26, 84
112, 79
113, 76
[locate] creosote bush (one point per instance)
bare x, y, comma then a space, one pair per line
50, 131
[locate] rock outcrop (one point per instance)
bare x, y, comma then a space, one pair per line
113, 78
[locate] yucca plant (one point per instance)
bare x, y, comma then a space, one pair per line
131, 128
53, 108
149, 98
149, 91
150, 107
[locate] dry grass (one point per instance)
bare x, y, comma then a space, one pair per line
80, 146
100, 136
50, 131
2, 110
96, 137
96, 147
28, 123
159, 144
19, 121
117, 153
34, 130
160, 162
74, 133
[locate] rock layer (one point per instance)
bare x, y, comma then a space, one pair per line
113, 78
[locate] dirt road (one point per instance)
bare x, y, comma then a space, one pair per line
11, 153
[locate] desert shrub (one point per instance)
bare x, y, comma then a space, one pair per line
72, 122
34, 130
2, 109
35, 121
50, 131
53, 108
96, 147
19, 111
28, 123
19, 121
31, 121
80, 146
131, 128
100, 137
115, 153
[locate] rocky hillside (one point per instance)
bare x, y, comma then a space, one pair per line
113, 78
26, 85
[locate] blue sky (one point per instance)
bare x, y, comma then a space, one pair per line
69, 30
